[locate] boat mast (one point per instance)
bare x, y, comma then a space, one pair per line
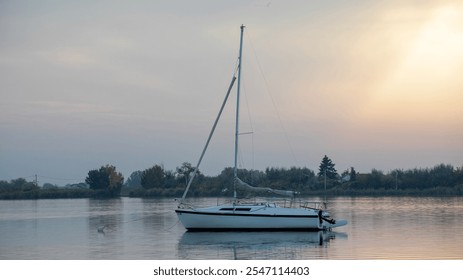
235, 170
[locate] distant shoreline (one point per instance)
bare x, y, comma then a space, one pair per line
128, 192
440, 181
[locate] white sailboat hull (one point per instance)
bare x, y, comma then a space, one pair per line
253, 217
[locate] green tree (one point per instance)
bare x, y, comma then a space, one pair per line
4, 186
184, 172
135, 179
49, 186
106, 180
116, 180
327, 167
353, 174
153, 177
97, 179
376, 179
19, 183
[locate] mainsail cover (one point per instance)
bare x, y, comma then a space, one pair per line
242, 184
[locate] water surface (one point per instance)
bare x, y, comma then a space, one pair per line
134, 228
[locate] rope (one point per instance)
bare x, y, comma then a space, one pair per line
101, 229
272, 99
169, 228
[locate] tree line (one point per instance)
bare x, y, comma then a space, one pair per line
156, 181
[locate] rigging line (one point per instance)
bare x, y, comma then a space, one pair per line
111, 227
251, 124
171, 227
271, 98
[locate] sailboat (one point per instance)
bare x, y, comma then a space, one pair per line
251, 216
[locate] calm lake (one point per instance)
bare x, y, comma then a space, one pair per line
379, 228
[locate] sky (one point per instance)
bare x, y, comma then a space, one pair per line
370, 84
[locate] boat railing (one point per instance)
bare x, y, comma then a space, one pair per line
276, 201
184, 205
294, 202
288, 203
313, 205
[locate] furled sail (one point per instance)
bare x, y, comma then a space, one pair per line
245, 185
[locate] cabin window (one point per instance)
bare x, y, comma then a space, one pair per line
235, 209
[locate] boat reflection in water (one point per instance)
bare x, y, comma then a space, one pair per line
256, 245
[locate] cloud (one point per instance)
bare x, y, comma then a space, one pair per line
147, 79
69, 58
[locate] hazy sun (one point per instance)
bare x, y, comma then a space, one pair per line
428, 78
